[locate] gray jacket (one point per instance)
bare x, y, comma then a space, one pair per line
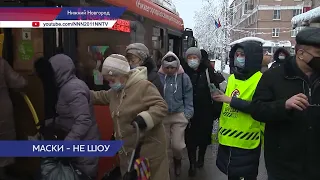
75, 109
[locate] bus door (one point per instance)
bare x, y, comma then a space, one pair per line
175, 42
188, 40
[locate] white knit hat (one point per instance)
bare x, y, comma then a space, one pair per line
115, 64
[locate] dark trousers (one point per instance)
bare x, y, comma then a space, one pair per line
193, 142
192, 153
270, 177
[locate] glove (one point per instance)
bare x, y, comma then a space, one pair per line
140, 121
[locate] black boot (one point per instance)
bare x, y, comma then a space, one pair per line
177, 166
192, 158
201, 155
192, 170
200, 162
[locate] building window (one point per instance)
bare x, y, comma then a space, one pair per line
245, 7
277, 14
296, 12
295, 31
275, 32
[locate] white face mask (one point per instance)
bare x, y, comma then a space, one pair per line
193, 63
282, 57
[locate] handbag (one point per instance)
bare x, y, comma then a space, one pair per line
54, 169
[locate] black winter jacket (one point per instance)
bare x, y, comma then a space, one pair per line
153, 75
279, 62
205, 110
291, 136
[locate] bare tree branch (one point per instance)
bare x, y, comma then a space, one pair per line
206, 32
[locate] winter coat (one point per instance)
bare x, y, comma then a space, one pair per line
75, 109
8, 79
178, 91
279, 62
139, 97
238, 162
153, 74
291, 143
205, 110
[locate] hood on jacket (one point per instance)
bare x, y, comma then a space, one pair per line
136, 75
277, 52
171, 54
180, 70
254, 54
63, 68
204, 55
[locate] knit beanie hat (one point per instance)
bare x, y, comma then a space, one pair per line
174, 60
194, 51
139, 50
115, 64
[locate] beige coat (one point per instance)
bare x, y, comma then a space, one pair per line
139, 97
8, 79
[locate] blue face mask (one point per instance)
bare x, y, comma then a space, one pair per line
240, 62
193, 63
117, 86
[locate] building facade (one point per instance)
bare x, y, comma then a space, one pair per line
267, 19
315, 3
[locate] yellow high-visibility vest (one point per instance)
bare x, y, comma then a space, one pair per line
238, 129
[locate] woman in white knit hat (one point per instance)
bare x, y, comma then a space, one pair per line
132, 98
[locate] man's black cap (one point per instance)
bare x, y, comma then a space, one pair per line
309, 36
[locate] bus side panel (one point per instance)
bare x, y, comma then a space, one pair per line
105, 126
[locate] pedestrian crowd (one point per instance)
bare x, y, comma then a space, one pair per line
175, 103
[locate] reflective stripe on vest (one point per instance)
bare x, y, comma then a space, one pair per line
238, 129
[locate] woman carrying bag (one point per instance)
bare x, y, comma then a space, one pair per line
132, 98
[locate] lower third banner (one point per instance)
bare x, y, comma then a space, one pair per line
59, 148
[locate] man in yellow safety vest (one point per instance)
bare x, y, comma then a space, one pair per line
239, 134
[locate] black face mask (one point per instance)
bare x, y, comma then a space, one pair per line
315, 64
